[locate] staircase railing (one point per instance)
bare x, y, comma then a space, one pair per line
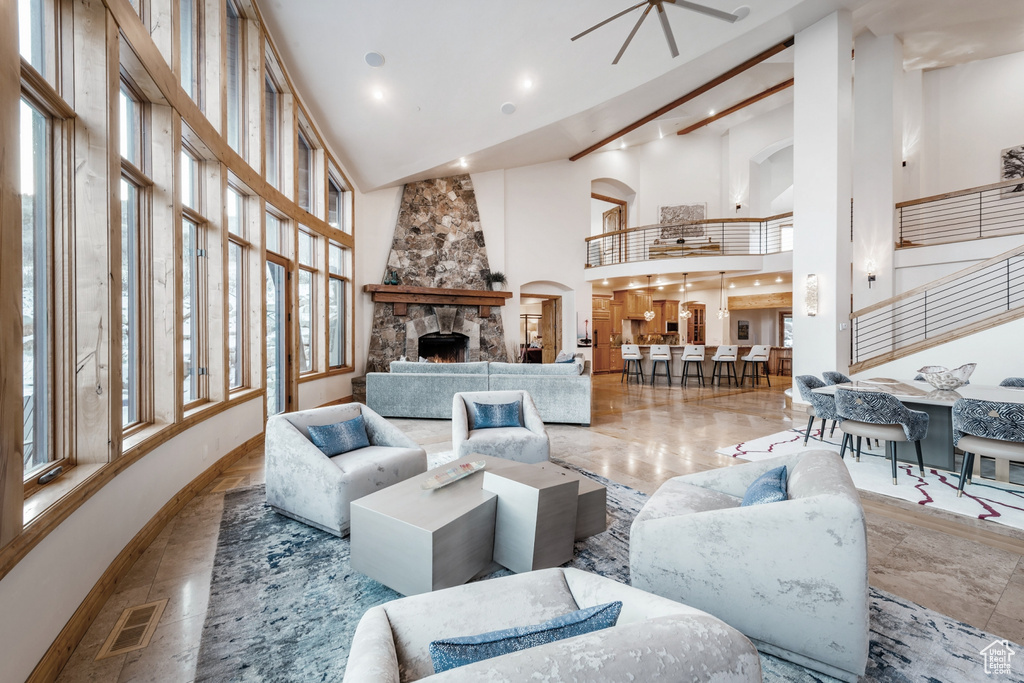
984, 295
711, 237
989, 211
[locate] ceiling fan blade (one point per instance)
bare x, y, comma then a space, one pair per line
631, 34
703, 9
612, 18
668, 31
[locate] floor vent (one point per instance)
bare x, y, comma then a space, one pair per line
228, 483
133, 630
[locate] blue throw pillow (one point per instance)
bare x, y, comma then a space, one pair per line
455, 652
567, 360
492, 415
770, 487
340, 437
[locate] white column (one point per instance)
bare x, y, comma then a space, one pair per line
821, 193
877, 163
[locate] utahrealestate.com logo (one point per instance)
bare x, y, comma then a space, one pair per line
997, 657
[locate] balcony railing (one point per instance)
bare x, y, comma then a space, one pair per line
989, 211
976, 298
711, 237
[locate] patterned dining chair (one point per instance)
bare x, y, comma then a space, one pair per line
823, 406
1015, 382
987, 428
875, 415
834, 377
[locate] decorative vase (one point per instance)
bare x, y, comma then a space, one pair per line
947, 380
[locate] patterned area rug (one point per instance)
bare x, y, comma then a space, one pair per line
284, 604
874, 473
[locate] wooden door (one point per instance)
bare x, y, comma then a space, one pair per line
602, 341
613, 220
695, 324
550, 328
616, 307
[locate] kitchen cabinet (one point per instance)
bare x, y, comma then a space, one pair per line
671, 311
657, 324
695, 324
615, 356
616, 313
600, 308
635, 302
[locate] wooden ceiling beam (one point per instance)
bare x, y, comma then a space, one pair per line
736, 107
713, 83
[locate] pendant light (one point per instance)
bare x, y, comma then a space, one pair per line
685, 313
649, 314
723, 311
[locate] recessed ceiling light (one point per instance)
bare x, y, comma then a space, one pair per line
378, 94
661, 287
508, 108
778, 279
374, 59
605, 281
462, 162
757, 283
527, 83
732, 285
711, 112
622, 146
741, 12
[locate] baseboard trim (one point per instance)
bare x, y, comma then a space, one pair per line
60, 651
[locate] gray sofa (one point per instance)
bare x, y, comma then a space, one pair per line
306, 485
559, 390
792, 576
654, 640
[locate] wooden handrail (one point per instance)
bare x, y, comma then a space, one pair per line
938, 283
703, 221
961, 193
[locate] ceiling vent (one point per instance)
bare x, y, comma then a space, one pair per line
133, 630
374, 59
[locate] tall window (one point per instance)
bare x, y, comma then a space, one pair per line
32, 34
337, 318
193, 283
307, 301
189, 30
36, 176
272, 117
338, 215
305, 171
236, 287
133, 183
236, 76
274, 233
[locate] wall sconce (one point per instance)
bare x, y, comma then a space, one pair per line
738, 207
811, 296
870, 267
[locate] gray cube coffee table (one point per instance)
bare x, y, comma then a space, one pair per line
417, 541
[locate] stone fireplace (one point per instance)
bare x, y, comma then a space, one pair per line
439, 258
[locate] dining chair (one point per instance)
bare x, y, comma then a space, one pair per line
632, 365
1014, 382
834, 377
823, 406
693, 354
756, 360
725, 359
661, 353
987, 428
875, 415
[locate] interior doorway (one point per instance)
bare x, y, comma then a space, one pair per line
540, 327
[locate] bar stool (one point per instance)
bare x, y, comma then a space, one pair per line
822, 406
875, 415
661, 353
725, 359
693, 354
756, 360
834, 377
631, 366
987, 428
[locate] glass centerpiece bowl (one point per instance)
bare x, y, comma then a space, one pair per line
947, 380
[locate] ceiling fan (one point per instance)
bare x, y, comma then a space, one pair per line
660, 6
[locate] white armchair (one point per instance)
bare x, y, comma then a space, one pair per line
792, 576
305, 484
528, 443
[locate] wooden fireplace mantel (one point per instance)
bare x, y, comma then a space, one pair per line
401, 296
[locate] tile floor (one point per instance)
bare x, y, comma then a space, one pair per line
640, 436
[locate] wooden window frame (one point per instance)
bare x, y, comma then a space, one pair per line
347, 364
200, 323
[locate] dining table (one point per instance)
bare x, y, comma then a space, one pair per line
937, 446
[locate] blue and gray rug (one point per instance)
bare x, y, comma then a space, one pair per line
284, 603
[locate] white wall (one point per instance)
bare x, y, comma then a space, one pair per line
742, 144
971, 112
70, 560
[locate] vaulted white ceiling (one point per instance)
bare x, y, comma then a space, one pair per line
451, 64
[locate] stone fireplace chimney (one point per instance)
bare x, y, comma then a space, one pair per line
438, 243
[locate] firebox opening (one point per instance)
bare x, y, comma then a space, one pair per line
444, 348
